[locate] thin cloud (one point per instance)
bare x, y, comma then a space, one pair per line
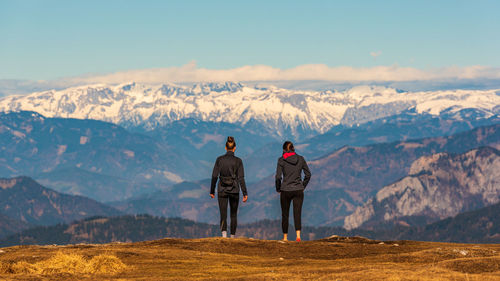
375, 54
192, 73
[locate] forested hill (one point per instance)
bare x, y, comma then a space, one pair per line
479, 226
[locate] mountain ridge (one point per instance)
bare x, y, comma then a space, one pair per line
406, 126
32, 144
23, 199
279, 112
437, 186
340, 182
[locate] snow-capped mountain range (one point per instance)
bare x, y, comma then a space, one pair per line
271, 110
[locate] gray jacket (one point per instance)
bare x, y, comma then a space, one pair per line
289, 173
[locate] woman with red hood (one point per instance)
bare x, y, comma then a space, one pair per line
290, 185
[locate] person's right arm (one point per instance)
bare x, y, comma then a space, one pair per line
215, 176
241, 180
279, 175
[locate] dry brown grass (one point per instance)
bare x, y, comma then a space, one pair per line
251, 259
68, 263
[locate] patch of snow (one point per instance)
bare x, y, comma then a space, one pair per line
277, 110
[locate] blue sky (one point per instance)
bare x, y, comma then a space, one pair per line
53, 39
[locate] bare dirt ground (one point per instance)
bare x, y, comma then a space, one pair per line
336, 258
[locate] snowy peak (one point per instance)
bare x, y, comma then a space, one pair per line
207, 88
272, 110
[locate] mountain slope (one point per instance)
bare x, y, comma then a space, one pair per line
10, 226
31, 144
346, 178
100, 187
405, 126
438, 186
106, 230
478, 226
187, 200
340, 182
25, 200
203, 141
278, 112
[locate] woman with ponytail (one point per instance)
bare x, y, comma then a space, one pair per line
228, 170
291, 187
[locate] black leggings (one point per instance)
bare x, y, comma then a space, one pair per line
234, 199
286, 198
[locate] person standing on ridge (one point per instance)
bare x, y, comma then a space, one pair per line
228, 169
291, 187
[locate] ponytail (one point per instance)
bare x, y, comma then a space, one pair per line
288, 147
230, 143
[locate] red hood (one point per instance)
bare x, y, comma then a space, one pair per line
288, 154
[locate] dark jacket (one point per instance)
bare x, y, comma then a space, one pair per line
226, 167
289, 170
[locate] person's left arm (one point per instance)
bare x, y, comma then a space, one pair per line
278, 176
215, 176
307, 173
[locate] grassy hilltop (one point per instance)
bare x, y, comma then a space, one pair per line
335, 258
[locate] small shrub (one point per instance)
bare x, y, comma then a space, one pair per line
23, 267
62, 263
105, 264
